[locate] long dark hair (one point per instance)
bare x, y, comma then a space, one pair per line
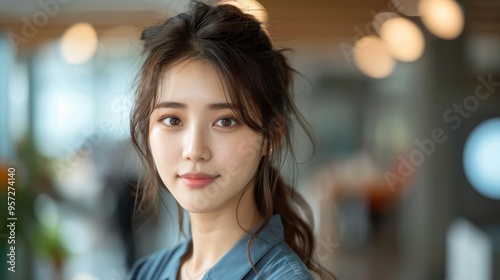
258, 80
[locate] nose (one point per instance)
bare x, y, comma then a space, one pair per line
196, 147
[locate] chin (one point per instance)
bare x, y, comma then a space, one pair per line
197, 203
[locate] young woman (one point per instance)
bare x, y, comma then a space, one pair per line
211, 122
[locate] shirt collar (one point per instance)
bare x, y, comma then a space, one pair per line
234, 264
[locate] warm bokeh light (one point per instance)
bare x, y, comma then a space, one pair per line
481, 158
386, 126
372, 57
405, 41
250, 7
444, 18
380, 18
78, 43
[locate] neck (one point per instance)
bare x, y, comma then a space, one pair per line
215, 233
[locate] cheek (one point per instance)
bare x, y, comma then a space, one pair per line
240, 155
160, 149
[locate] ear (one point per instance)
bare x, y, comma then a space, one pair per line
274, 146
267, 152
264, 150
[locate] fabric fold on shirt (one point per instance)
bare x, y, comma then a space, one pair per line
271, 256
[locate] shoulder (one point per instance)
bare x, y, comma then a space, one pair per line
281, 262
154, 265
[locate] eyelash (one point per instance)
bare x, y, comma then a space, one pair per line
163, 117
235, 123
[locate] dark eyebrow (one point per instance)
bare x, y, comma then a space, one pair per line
220, 106
176, 105
173, 105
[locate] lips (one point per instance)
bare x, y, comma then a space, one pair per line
197, 180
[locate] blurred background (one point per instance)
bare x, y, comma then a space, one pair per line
404, 96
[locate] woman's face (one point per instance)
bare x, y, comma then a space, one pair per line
194, 133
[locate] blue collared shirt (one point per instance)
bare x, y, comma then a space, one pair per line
272, 257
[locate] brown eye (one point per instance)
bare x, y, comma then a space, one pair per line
226, 122
171, 121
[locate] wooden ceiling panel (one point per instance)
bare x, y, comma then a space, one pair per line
289, 19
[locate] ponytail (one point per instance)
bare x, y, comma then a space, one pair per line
274, 196
257, 79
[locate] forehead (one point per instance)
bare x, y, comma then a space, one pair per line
191, 81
